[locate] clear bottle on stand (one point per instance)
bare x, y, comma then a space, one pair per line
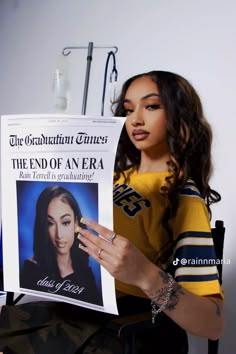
61, 85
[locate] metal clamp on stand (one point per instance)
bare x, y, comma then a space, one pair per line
67, 50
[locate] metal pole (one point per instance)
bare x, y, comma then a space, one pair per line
87, 75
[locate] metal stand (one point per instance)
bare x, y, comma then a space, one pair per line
67, 50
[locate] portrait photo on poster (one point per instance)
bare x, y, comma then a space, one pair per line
50, 260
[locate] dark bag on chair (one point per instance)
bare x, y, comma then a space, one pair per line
60, 328
45, 328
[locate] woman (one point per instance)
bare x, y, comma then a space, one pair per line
162, 204
162, 201
58, 266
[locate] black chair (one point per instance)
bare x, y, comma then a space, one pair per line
218, 234
131, 328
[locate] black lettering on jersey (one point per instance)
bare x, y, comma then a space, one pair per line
130, 201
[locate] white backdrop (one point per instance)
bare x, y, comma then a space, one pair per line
193, 38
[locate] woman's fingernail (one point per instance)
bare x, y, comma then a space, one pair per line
77, 229
82, 247
80, 236
84, 221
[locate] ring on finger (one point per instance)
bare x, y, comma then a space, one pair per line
99, 253
112, 238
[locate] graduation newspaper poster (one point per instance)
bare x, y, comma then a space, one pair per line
55, 169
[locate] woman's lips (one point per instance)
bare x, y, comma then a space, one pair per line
60, 244
140, 134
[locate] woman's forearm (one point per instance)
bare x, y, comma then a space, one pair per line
199, 315
202, 316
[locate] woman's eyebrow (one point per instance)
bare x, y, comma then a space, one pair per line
127, 100
61, 217
67, 214
150, 95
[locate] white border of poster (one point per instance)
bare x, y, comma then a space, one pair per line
69, 150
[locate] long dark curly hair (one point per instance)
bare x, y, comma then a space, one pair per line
189, 139
44, 251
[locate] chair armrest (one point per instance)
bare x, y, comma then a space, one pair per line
133, 323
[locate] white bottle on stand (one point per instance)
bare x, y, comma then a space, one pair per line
61, 85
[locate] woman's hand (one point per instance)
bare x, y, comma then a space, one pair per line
120, 257
127, 264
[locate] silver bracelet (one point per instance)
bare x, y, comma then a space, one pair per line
155, 310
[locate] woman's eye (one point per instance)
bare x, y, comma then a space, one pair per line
153, 107
50, 223
66, 223
128, 111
